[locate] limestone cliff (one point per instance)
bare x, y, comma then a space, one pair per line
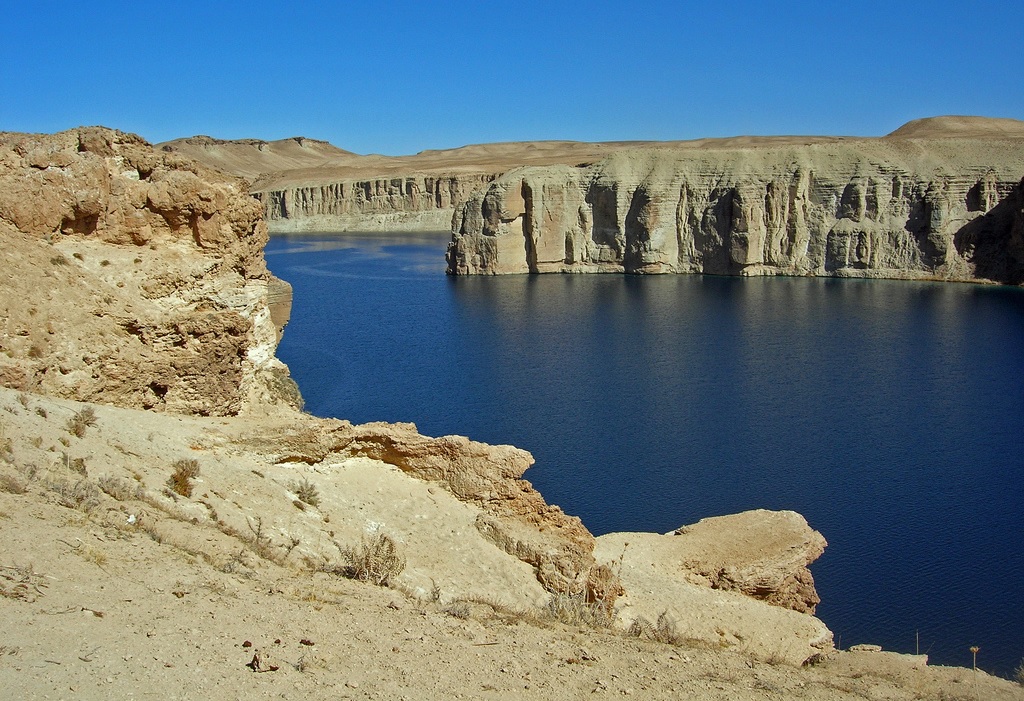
927, 205
409, 202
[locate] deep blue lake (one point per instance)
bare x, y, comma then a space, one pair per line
889, 413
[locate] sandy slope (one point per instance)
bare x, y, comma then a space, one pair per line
142, 598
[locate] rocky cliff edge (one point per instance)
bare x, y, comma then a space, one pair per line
937, 199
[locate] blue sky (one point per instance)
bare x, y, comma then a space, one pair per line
399, 77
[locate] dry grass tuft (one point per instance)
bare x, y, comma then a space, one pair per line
375, 560
12, 484
459, 609
180, 481
1018, 674
81, 421
83, 494
664, 631
306, 491
576, 610
120, 488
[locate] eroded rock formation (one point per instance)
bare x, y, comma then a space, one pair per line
513, 515
895, 207
761, 554
135, 278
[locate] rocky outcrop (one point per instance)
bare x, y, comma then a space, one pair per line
895, 207
513, 515
757, 560
763, 554
134, 278
411, 202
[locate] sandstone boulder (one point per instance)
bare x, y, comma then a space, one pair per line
737, 581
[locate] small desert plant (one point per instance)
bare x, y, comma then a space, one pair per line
82, 494
93, 555
306, 491
76, 464
59, 260
1018, 674
180, 481
81, 421
459, 609
575, 610
12, 484
664, 631
119, 488
375, 560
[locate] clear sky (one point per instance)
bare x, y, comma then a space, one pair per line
399, 77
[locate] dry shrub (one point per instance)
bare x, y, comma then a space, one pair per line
664, 631
12, 484
180, 481
119, 488
81, 421
459, 609
375, 560
306, 491
83, 494
576, 610
1018, 674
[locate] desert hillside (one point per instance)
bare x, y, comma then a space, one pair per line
176, 526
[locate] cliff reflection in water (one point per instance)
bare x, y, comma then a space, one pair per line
889, 413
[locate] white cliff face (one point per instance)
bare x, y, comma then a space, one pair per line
891, 207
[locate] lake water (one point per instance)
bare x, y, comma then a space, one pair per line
888, 413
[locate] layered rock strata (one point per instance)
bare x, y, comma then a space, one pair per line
895, 207
411, 202
135, 278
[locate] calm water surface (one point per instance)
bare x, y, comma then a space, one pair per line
888, 413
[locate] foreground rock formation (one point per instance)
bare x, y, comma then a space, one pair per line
135, 278
936, 199
757, 556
